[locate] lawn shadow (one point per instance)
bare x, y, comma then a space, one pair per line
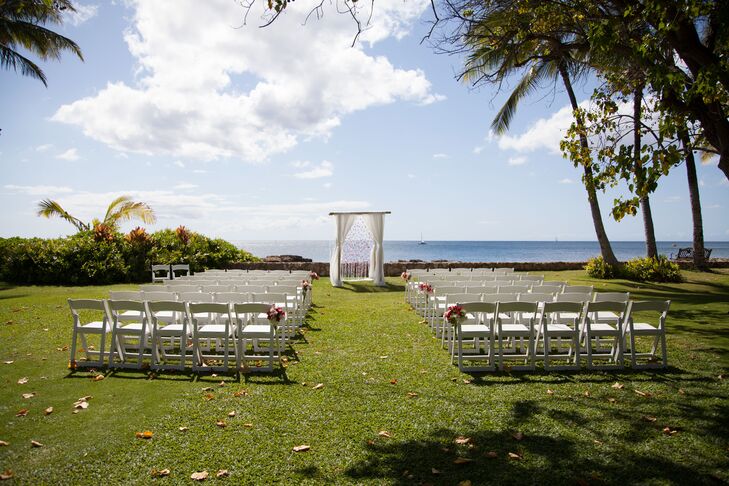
508, 457
369, 287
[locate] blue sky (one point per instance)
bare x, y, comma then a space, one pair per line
248, 133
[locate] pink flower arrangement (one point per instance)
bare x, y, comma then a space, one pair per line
306, 286
276, 314
426, 288
405, 276
313, 276
454, 314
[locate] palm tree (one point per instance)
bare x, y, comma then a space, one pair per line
120, 209
22, 25
501, 44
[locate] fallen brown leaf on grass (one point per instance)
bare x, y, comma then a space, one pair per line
393, 381
221, 424
199, 476
9, 362
517, 436
681, 391
434, 471
611, 400
669, 431
23, 380
587, 393
384, 433
491, 454
48, 411
99, 378
222, 384
384, 357
515, 456
248, 426
240, 393
462, 460
147, 434
412, 394
22, 412
7, 474
467, 482
318, 386
596, 442
649, 418
617, 386
223, 473
462, 440
208, 389
209, 397
231, 414
3, 443
301, 448
159, 473
550, 392
642, 393
183, 429
35, 443
28, 395
81, 405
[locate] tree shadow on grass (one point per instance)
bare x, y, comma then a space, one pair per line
507, 457
369, 287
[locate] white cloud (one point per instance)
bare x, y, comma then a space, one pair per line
441, 156
519, 160
185, 185
411, 176
478, 150
545, 133
200, 171
39, 190
566, 180
701, 183
82, 14
253, 92
325, 169
44, 148
713, 206
70, 154
299, 164
327, 185
672, 199
179, 164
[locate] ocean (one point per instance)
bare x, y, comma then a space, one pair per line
479, 251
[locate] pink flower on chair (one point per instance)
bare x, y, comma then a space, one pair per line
313, 276
405, 276
276, 314
305, 286
426, 288
454, 314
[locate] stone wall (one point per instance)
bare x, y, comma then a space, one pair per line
394, 269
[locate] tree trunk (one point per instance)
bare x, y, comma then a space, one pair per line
645, 206
650, 235
699, 259
605, 249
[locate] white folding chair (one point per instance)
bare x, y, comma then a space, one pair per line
83, 327
169, 335
479, 334
252, 326
180, 269
160, 273
632, 329
553, 329
212, 322
515, 333
129, 339
594, 329
128, 295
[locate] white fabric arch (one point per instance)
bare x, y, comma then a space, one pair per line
375, 222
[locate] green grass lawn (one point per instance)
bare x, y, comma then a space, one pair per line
392, 409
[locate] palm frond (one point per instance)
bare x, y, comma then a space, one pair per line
48, 208
528, 83
9, 59
124, 209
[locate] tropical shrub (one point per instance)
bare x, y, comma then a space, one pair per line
658, 269
598, 268
103, 256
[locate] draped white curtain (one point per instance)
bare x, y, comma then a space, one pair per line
375, 222
344, 224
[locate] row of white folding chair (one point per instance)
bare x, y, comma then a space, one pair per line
502, 339
287, 298
150, 333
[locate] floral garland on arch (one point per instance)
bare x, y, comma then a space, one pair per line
454, 314
276, 314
